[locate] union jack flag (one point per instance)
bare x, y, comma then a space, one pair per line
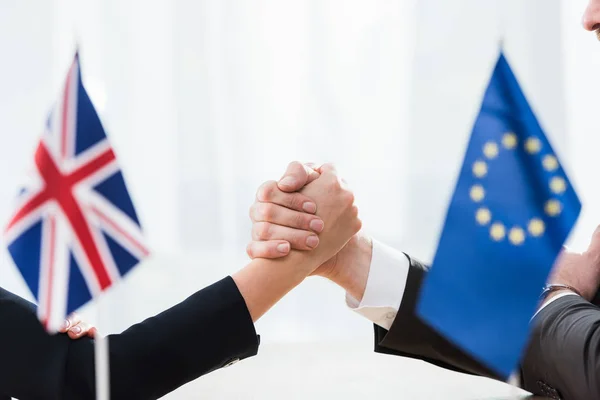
75, 231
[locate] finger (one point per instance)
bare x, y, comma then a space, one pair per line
279, 215
269, 192
298, 239
92, 332
312, 171
65, 326
296, 177
328, 167
268, 249
331, 170
79, 330
70, 321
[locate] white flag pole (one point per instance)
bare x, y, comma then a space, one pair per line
501, 23
101, 351
101, 358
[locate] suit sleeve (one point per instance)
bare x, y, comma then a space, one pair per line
205, 332
564, 350
31, 362
410, 337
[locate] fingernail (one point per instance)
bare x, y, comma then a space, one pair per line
316, 225
287, 181
283, 248
312, 241
309, 207
66, 324
76, 330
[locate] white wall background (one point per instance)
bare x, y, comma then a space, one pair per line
204, 100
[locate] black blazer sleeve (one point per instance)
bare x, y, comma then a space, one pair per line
205, 332
410, 337
563, 355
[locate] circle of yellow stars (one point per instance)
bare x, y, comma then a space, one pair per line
483, 216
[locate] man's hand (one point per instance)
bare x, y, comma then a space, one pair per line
286, 226
335, 206
281, 218
580, 270
76, 328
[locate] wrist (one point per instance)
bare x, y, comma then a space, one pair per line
553, 294
263, 282
300, 263
351, 270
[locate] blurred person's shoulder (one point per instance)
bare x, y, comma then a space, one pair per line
10, 299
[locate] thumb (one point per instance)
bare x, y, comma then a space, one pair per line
297, 176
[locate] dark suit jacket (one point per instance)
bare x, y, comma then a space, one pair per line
410, 337
563, 356
561, 361
205, 332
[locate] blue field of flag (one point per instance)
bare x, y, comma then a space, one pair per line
512, 209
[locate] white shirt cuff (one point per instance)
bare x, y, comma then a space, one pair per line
385, 286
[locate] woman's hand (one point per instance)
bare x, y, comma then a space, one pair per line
76, 328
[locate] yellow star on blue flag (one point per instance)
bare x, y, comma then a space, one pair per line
512, 209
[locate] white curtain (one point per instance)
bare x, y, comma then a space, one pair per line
205, 100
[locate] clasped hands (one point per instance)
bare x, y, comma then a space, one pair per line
311, 210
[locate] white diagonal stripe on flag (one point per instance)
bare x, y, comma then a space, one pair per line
85, 156
122, 228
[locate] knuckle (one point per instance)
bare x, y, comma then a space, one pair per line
348, 197
267, 211
329, 168
295, 166
263, 230
251, 211
255, 230
337, 183
250, 250
358, 225
298, 240
266, 191
296, 201
334, 185
301, 221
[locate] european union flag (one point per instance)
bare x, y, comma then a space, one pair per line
512, 209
